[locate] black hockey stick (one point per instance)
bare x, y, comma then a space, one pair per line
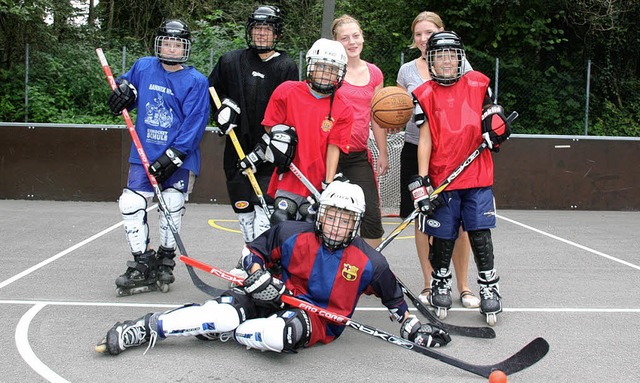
474, 332
434, 194
209, 290
526, 357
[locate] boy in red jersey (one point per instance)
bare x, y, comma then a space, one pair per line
322, 120
323, 263
455, 114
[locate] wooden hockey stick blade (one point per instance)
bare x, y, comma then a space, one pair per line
526, 357
471, 332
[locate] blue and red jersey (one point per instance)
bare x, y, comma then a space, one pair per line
332, 280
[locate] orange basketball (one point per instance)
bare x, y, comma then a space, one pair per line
391, 107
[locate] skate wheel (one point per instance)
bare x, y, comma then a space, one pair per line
492, 319
164, 287
441, 313
122, 292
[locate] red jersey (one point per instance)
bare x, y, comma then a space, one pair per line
293, 104
455, 117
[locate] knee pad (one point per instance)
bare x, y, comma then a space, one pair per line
285, 210
482, 247
213, 317
440, 253
307, 212
261, 223
284, 331
247, 221
133, 207
174, 200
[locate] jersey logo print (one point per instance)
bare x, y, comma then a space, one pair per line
349, 272
257, 74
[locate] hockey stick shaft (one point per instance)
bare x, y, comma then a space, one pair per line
527, 356
236, 144
152, 180
434, 194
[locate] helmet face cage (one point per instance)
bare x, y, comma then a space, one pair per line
337, 227
445, 58
173, 35
342, 206
269, 16
326, 66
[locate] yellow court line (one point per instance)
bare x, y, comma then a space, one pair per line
212, 223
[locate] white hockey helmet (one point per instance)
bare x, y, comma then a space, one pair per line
344, 203
331, 53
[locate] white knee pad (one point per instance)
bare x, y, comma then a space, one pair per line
133, 207
210, 318
175, 201
283, 331
261, 223
246, 221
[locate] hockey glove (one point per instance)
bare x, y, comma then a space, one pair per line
122, 97
420, 189
265, 289
495, 127
426, 335
227, 116
253, 159
166, 164
282, 142
338, 177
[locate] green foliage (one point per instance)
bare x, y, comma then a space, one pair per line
542, 45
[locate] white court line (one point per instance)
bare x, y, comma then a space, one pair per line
63, 253
364, 309
571, 243
22, 343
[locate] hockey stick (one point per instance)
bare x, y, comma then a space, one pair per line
474, 332
236, 144
526, 357
209, 290
407, 221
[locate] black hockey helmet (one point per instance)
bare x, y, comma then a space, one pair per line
446, 45
177, 32
265, 15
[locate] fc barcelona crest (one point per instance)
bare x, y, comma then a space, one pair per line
350, 273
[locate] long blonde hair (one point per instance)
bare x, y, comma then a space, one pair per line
425, 16
340, 21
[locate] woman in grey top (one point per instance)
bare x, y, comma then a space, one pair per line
410, 76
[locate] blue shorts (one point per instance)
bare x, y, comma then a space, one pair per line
182, 180
474, 209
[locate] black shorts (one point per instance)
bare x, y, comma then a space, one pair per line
358, 170
408, 168
243, 197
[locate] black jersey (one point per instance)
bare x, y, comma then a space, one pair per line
242, 76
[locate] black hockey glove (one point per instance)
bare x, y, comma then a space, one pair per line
421, 190
227, 116
495, 127
338, 177
253, 159
122, 97
426, 335
265, 289
166, 164
282, 142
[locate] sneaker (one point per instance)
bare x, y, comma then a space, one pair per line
424, 296
469, 300
129, 334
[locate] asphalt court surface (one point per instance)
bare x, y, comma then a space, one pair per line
568, 276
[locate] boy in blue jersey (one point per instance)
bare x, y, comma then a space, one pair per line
321, 262
173, 110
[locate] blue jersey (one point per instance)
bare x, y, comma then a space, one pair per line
332, 280
173, 110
